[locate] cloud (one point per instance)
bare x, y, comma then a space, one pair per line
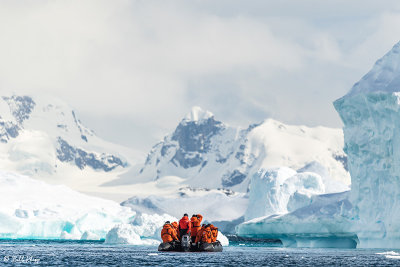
150, 61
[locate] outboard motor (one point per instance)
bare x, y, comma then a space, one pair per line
185, 243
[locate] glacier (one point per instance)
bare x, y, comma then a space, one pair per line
368, 215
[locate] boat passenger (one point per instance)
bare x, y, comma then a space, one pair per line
168, 233
176, 228
184, 225
196, 225
214, 233
199, 233
206, 235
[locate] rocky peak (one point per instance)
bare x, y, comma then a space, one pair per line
20, 106
194, 136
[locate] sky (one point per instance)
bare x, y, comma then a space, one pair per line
133, 69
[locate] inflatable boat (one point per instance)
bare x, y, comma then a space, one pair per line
186, 246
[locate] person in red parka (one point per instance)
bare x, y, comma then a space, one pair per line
184, 225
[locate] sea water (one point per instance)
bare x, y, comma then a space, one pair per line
78, 253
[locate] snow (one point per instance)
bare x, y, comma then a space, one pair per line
232, 155
30, 148
198, 114
370, 113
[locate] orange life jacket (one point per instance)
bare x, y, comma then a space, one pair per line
168, 233
176, 228
199, 233
214, 233
206, 236
196, 224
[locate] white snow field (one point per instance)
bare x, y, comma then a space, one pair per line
371, 114
369, 215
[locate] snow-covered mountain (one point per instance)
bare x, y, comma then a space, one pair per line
210, 154
206, 166
42, 137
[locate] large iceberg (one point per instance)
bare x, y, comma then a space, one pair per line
368, 215
371, 115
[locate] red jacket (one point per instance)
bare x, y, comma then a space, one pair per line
184, 223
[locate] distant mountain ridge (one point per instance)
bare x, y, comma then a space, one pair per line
20, 109
42, 137
210, 154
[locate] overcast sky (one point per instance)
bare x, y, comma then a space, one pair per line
133, 69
